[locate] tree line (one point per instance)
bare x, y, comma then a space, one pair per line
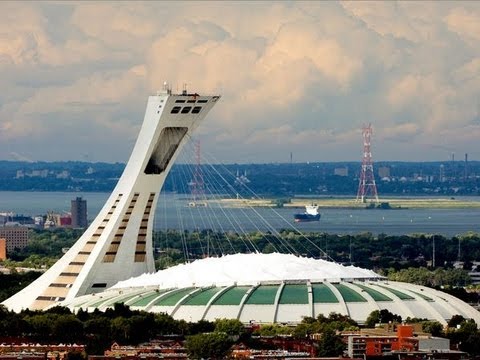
364, 249
98, 330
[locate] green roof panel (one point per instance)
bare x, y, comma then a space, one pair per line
401, 295
232, 296
145, 299
116, 300
294, 294
424, 297
376, 295
348, 294
101, 301
263, 295
173, 298
203, 297
323, 294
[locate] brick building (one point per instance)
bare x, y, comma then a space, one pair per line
15, 236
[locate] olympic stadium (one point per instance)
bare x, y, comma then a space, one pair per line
112, 262
273, 288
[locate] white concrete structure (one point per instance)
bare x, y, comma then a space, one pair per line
268, 288
118, 244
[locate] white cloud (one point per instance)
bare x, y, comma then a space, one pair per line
464, 22
292, 74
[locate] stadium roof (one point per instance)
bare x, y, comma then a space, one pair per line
272, 288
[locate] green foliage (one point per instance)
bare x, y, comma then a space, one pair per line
425, 277
12, 283
202, 326
280, 202
273, 330
46, 244
455, 320
330, 344
214, 345
467, 336
433, 327
67, 329
334, 322
395, 252
381, 317
232, 327
98, 330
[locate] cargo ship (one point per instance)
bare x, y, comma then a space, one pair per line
310, 214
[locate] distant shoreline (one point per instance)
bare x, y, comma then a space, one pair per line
345, 203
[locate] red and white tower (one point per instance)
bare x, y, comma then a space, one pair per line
366, 185
197, 184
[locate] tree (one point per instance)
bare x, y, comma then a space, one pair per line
166, 325
455, 320
433, 327
330, 344
381, 317
214, 345
466, 336
67, 329
97, 331
201, 326
232, 327
40, 326
273, 330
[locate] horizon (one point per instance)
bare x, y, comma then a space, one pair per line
252, 163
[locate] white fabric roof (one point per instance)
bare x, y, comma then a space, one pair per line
247, 269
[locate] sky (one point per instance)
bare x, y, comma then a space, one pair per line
295, 77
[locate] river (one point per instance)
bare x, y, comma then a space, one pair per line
173, 213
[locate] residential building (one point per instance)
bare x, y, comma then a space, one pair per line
79, 213
402, 344
16, 236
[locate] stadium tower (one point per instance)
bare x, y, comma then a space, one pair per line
118, 243
366, 185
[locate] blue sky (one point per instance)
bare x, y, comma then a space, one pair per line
300, 77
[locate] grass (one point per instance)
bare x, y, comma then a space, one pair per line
410, 203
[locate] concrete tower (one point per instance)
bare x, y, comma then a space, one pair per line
118, 243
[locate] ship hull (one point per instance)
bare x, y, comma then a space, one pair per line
306, 217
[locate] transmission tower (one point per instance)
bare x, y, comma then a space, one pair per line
366, 185
197, 183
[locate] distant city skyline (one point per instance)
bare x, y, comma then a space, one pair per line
298, 79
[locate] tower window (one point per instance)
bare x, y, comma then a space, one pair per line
196, 109
166, 145
186, 109
175, 110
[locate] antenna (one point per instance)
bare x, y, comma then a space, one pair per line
366, 185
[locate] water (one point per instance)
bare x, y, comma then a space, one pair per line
173, 213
